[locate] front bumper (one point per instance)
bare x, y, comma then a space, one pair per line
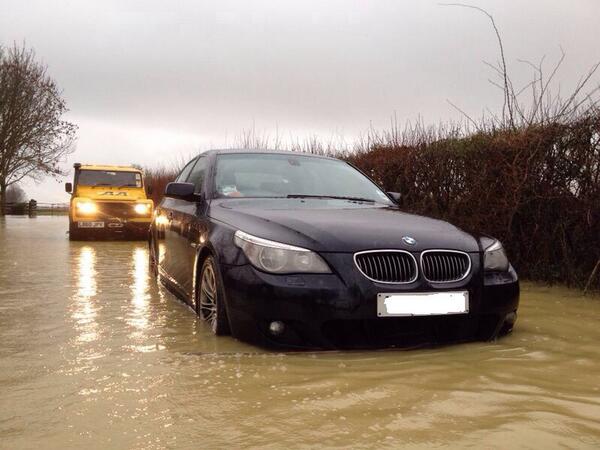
339, 310
111, 219
114, 225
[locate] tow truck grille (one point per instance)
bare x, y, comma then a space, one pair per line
115, 209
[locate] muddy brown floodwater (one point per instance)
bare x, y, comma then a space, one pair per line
93, 354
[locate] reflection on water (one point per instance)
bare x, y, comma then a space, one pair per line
86, 272
140, 296
94, 354
85, 311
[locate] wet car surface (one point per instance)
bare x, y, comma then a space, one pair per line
298, 251
94, 353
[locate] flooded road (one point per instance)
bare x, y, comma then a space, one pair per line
93, 354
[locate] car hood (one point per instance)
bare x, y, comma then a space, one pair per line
110, 193
338, 225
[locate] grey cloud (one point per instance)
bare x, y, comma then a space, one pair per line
209, 69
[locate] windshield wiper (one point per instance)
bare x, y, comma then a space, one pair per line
334, 197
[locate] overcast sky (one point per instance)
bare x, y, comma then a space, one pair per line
149, 82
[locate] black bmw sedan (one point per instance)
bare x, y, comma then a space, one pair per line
300, 251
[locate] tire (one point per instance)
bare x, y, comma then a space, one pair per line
210, 298
153, 259
506, 329
74, 232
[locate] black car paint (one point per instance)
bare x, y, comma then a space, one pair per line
356, 226
322, 310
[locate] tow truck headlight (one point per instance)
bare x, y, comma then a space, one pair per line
86, 207
142, 208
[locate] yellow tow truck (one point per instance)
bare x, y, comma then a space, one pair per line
108, 201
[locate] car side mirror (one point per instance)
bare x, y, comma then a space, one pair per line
395, 196
149, 189
69, 187
182, 191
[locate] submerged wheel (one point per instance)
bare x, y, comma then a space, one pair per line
210, 304
74, 233
153, 259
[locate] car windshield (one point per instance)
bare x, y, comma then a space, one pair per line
109, 178
293, 176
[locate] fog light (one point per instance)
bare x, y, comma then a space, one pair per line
276, 327
510, 318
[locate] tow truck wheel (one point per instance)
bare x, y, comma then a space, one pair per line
74, 233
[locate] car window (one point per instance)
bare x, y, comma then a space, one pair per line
277, 175
198, 173
185, 172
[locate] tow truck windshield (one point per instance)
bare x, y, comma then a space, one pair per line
109, 178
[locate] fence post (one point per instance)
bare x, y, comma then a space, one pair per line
32, 209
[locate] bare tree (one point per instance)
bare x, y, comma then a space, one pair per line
544, 107
34, 138
15, 194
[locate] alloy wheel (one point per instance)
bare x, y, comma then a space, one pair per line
208, 296
153, 259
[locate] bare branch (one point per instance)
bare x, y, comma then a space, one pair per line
469, 118
507, 97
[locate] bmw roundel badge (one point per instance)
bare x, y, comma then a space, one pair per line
408, 240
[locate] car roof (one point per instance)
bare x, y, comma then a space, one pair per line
242, 151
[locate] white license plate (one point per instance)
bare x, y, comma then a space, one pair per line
90, 224
422, 304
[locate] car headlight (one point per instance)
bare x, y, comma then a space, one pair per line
494, 258
142, 208
276, 257
86, 207
161, 220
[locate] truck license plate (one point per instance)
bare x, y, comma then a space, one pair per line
90, 224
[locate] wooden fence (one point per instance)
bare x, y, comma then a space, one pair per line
33, 208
